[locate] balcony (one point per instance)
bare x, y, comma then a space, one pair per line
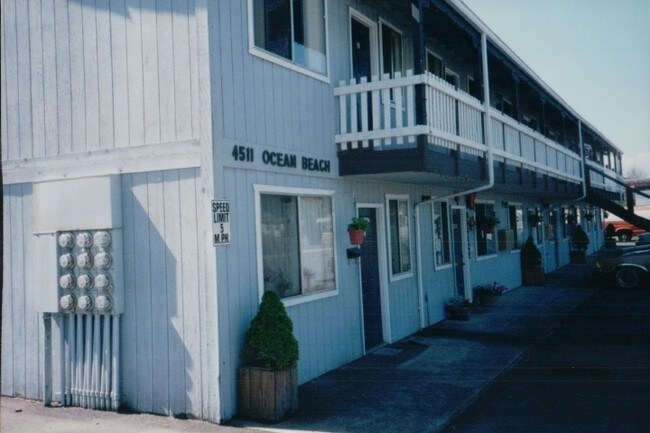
382, 136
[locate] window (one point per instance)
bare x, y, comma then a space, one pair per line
530, 121
391, 50
400, 242
516, 224
293, 30
441, 242
434, 64
485, 238
473, 88
452, 78
505, 106
297, 243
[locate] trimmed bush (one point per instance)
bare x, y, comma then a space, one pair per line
269, 342
530, 254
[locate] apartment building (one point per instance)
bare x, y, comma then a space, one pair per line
166, 162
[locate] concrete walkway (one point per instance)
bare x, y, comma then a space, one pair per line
421, 383
418, 384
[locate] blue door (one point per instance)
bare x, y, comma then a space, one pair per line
372, 320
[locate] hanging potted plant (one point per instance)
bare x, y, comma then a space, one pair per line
489, 222
357, 230
589, 216
268, 381
534, 219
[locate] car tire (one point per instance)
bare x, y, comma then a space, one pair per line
628, 278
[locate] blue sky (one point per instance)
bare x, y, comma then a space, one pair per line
595, 54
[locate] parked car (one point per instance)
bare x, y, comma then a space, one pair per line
643, 239
625, 268
624, 230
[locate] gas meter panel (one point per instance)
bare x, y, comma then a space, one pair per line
89, 271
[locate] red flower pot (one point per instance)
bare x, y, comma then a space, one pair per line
356, 236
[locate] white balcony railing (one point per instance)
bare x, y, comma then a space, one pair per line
524, 146
381, 115
597, 179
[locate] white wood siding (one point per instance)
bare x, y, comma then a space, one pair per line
79, 76
22, 330
166, 365
167, 326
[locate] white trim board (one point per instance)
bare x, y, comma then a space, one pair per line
138, 159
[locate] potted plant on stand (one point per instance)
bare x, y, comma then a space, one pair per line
357, 230
457, 308
487, 294
532, 271
268, 382
579, 244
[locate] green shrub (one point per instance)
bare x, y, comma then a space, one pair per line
269, 342
580, 239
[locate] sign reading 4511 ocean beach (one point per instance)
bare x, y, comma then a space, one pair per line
220, 222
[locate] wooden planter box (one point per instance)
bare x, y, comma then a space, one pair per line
454, 312
532, 276
267, 395
578, 257
485, 300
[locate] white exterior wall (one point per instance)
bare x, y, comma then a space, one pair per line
92, 89
22, 329
79, 76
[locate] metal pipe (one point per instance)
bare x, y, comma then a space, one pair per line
64, 366
115, 378
87, 360
79, 360
106, 364
94, 388
47, 359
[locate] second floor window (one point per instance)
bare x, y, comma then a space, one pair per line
391, 50
293, 30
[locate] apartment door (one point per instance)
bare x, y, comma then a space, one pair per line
370, 281
461, 259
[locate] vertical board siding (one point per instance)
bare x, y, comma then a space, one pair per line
162, 334
22, 333
81, 75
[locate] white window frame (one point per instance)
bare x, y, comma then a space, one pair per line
433, 54
279, 60
449, 71
279, 190
438, 267
383, 22
496, 241
407, 274
374, 42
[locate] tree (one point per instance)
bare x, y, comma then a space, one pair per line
635, 172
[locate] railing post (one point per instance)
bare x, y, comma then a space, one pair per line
419, 53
